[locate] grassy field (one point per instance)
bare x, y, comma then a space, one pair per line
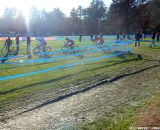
145, 113
18, 88
19, 92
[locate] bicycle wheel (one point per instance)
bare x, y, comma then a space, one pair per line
75, 49
48, 49
106, 49
36, 50
4, 50
65, 50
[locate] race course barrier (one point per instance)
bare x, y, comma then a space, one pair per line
63, 66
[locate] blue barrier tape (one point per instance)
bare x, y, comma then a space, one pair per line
145, 41
44, 60
52, 53
60, 67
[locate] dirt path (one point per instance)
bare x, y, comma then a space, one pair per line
86, 106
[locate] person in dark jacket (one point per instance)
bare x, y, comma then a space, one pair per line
118, 36
17, 44
137, 38
158, 35
8, 43
153, 40
28, 44
80, 37
91, 37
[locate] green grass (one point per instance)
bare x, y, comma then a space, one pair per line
15, 88
126, 118
11, 90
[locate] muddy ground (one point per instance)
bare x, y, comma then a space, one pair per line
84, 101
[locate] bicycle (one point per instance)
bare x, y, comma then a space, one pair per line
4, 50
69, 49
38, 49
105, 48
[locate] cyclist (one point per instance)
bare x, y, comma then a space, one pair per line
8, 43
69, 42
99, 41
42, 43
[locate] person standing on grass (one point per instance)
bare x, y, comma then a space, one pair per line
153, 40
28, 45
124, 36
101, 35
118, 36
80, 37
91, 37
95, 37
137, 38
158, 35
17, 44
144, 36
8, 44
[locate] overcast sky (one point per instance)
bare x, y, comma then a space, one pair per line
64, 5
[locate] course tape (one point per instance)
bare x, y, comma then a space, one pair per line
60, 51
69, 56
61, 67
120, 43
83, 37
145, 41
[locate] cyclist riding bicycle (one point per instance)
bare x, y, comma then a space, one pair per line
42, 43
99, 41
69, 42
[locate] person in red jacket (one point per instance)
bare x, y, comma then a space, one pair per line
99, 41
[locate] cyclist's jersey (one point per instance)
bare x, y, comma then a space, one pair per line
70, 42
42, 41
99, 40
8, 42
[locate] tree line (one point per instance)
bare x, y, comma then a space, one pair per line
123, 16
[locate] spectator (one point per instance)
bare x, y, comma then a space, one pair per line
91, 37
144, 36
95, 37
158, 36
124, 36
8, 43
153, 40
28, 45
17, 44
80, 37
118, 36
101, 35
137, 38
